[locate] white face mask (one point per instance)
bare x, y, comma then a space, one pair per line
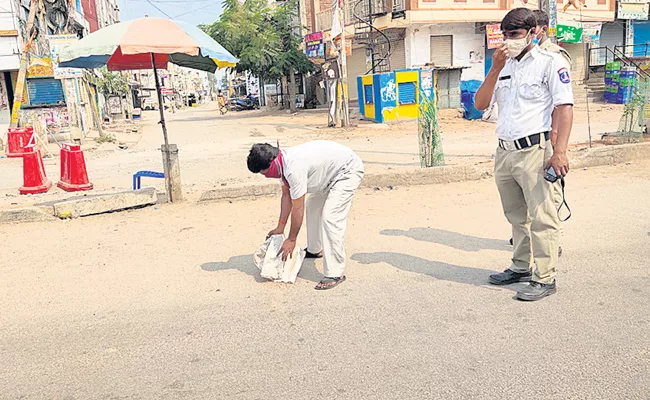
517, 46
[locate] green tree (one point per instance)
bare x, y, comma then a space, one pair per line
112, 83
291, 59
265, 41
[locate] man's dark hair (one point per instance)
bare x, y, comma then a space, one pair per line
541, 17
519, 18
261, 156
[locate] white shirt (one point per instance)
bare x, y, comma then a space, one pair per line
528, 90
313, 167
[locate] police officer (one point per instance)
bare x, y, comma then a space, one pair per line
528, 84
541, 34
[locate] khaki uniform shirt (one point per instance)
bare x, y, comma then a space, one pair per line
554, 48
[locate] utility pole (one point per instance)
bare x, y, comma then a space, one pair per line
550, 8
345, 117
24, 56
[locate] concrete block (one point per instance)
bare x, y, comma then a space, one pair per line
609, 155
28, 214
241, 192
85, 206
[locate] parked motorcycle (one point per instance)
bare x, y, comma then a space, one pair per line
248, 103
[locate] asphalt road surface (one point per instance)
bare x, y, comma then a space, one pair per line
165, 303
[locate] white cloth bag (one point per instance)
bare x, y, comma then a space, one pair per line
272, 267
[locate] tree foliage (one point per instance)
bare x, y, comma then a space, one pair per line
111, 83
266, 41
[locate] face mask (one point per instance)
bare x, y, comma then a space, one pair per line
535, 41
275, 169
517, 46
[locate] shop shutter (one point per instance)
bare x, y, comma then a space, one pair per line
356, 64
46, 91
407, 93
397, 55
441, 50
612, 34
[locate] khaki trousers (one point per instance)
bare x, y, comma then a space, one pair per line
530, 204
327, 215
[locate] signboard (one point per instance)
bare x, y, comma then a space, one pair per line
57, 44
314, 45
552, 18
631, 9
166, 91
569, 34
40, 67
591, 33
494, 35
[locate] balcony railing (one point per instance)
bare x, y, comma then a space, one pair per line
324, 18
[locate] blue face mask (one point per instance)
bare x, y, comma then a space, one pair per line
535, 41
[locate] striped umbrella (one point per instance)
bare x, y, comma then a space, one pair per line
150, 43
129, 45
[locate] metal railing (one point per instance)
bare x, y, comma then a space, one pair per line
324, 18
600, 56
399, 5
638, 50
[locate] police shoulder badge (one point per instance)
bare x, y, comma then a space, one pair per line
564, 75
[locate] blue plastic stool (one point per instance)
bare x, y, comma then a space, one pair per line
147, 174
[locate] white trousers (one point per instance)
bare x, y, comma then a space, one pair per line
327, 220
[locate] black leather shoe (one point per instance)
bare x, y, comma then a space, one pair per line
313, 255
536, 291
509, 276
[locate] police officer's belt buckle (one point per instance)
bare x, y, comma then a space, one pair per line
507, 145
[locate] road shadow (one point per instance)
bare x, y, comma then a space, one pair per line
434, 269
241, 263
246, 265
450, 239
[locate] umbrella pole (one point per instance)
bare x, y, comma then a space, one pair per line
169, 151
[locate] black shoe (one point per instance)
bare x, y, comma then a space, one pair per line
511, 242
536, 291
509, 276
312, 255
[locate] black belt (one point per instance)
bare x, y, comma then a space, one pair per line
523, 143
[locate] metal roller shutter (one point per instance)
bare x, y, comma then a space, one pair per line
612, 33
356, 64
397, 55
407, 93
46, 91
441, 50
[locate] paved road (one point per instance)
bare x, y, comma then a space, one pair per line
164, 303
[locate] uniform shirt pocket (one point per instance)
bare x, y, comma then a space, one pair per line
531, 88
502, 91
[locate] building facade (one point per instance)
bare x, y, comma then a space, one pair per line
448, 32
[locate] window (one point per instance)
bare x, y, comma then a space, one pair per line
407, 93
45, 91
367, 94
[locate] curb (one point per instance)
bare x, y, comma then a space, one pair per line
73, 208
27, 214
428, 176
86, 206
609, 155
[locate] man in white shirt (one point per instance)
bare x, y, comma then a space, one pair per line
331, 174
528, 84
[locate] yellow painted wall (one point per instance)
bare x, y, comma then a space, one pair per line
368, 109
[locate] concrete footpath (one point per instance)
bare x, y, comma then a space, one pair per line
92, 204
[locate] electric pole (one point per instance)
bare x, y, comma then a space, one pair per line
550, 8
24, 56
345, 120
